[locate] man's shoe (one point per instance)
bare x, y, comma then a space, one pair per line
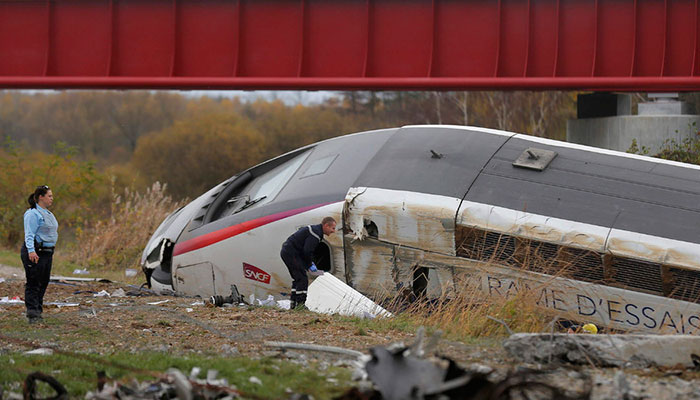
300, 307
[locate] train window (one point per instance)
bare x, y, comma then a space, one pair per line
265, 187
319, 166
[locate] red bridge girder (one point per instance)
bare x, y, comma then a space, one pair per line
630, 45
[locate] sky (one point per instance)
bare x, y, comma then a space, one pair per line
289, 97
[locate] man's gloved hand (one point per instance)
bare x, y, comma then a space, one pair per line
313, 268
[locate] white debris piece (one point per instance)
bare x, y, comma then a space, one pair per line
119, 293
130, 272
284, 304
60, 304
155, 303
270, 301
13, 300
2, 280
78, 271
101, 293
329, 295
41, 351
255, 379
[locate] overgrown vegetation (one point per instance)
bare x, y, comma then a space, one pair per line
116, 243
686, 150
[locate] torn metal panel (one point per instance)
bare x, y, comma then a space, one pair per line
369, 265
533, 226
656, 249
406, 218
440, 270
195, 279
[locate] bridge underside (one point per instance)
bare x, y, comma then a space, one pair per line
630, 45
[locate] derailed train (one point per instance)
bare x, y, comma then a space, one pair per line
598, 235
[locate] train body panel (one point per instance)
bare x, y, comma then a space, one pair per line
610, 237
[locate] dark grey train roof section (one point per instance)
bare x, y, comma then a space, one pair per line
407, 163
353, 153
609, 190
580, 184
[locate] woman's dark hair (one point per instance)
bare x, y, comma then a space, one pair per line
39, 191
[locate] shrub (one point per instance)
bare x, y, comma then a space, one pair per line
76, 186
116, 243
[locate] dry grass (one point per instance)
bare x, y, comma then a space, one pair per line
116, 243
469, 313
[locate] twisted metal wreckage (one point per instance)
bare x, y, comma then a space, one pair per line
599, 235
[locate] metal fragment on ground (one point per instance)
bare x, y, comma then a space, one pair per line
329, 295
172, 385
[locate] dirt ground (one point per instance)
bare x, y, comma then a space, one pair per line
185, 324
77, 320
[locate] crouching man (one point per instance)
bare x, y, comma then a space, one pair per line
297, 254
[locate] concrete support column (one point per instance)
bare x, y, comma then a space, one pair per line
604, 121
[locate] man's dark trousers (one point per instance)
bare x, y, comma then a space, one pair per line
300, 281
38, 276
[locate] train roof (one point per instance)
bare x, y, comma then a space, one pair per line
583, 184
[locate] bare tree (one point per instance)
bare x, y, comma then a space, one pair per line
500, 103
461, 101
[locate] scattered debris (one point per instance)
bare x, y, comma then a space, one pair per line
78, 271
271, 302
314, 347
119, 293
13, 300
60, 304
329, 295
2, 280
255, 380
172, 385
413, 372
129, 272
30, 386
58, 278
102, 293
234, 298
43, 351
605, 350
155, 303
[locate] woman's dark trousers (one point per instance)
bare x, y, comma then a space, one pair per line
38, 276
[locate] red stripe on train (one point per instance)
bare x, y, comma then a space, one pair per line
231, 231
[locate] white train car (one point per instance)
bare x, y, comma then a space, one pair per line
601, 235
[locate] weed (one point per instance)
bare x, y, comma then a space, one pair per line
116, 243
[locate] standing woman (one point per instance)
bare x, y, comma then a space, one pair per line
40, 236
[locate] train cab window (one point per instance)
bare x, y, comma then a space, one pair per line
265, 187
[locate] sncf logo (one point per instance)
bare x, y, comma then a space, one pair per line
255, 273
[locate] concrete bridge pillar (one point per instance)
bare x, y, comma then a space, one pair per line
604, 120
